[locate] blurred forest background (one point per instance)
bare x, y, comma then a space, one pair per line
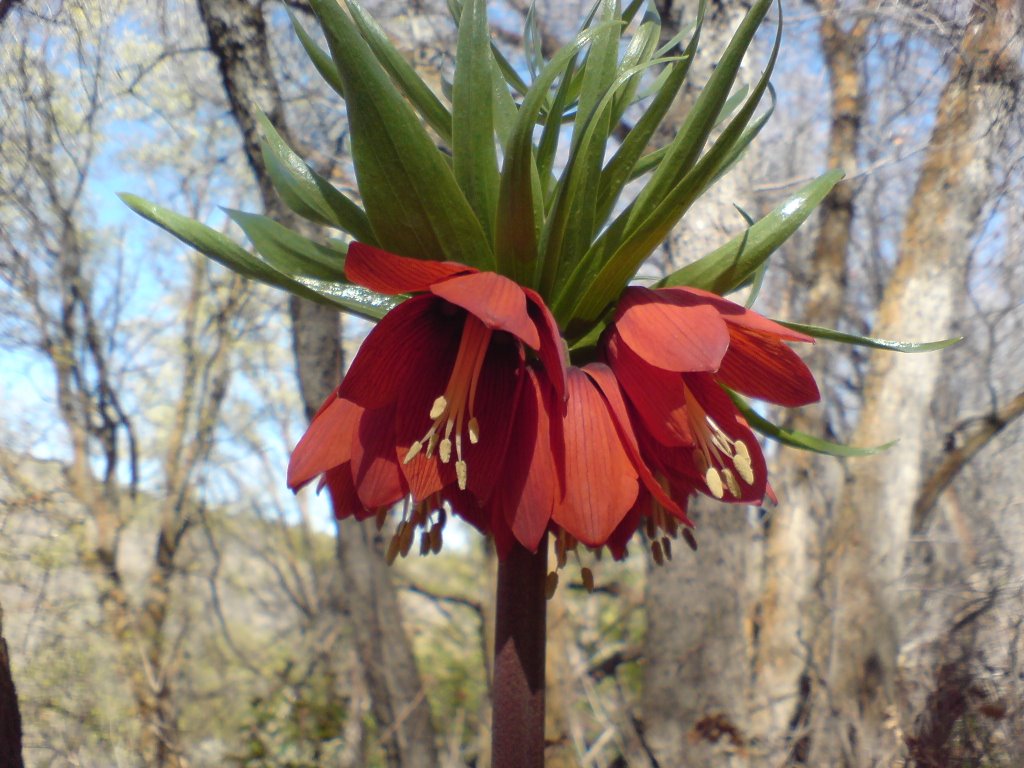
166, 602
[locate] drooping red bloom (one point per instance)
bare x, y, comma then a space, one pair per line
672, 351
427, 407
444, 407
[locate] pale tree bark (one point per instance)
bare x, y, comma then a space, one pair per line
238, 38
869, 542
788, 609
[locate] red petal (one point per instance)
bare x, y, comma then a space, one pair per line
552, 352
530, 481
390, 273
763, 367
394, 355
496, 410
605, 380
738, 315
344, 499
498, 302
720, 408
659, 397
424, 475
600, 481
624, 531
326, 444
378, 480
672, 330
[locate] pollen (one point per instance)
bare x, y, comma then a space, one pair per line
718, 457
451, 414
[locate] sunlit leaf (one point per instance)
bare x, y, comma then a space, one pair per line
289, 252
474, 156
865, 341
223, 250
401, 72
409, 191
798, 439
726, 268
306, 192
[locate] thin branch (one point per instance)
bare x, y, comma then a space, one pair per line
981, 433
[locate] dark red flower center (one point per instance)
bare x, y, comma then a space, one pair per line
452, 413
718, 457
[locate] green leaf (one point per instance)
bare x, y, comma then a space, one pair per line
571, 222
401, 72
320, 58
518, 221
797, 439
223, 250
726, 268
865, 341
474, 156
306, 192
287, 251
619, 170
532, 48
409, 191
632, 237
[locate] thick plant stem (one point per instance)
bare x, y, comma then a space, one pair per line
517, 733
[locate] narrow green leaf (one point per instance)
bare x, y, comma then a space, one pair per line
518, 222
725, 268
797, 439
409, 191
401, 72
320, 58
474, 156
865, 341
532, 47
306, 192
632, 244
287, 251
570, 224
223, 250
619, 170
700, 120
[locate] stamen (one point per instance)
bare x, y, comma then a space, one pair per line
714, 482
550, 584
413, 452
438, 408
588, 579
743, 467
453, 410
730, 482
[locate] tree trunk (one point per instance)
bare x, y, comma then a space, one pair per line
238, 37
869, 541
789, 607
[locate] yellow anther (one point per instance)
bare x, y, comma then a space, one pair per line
474, 430
460, 474
714, 481
413, 452
742, 465
730, 482
445, 451
439, 406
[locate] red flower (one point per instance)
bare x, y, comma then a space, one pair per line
427, 406
575, 467
672, 350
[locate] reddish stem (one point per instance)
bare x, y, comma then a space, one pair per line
517, 730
